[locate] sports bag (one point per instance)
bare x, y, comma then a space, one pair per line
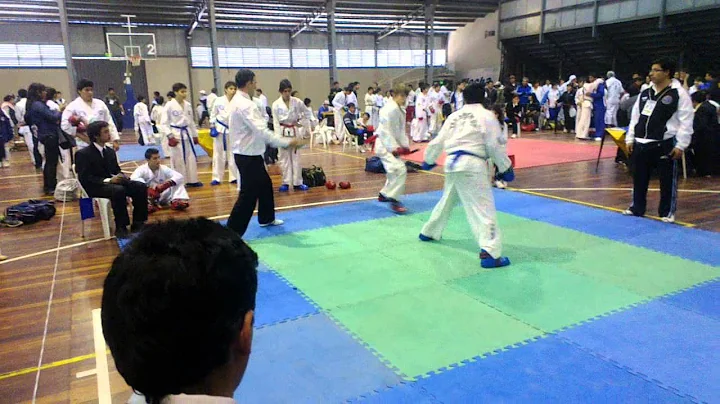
31, 211
314, 176
374, 165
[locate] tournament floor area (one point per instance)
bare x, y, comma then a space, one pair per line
596, 307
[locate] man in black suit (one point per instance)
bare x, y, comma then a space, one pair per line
706, 136
100, 175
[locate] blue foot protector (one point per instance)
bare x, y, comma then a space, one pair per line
487, 261
284, 188
215, 182
301, 187
423, 237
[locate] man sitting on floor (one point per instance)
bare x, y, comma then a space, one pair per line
100, 175
165, 185
177, 312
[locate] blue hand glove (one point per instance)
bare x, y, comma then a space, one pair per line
507, 176
427, 167
213, 132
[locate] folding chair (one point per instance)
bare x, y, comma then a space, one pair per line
104, 208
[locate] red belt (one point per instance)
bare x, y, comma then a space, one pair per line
293, 127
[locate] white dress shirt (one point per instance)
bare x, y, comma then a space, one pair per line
249, 133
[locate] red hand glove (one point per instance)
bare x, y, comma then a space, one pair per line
420, 119
153, 194
81, 128
401, 151
196, 140
172, 142
164, 186
432, 110
441, 102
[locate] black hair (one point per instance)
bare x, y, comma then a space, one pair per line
500, 112
666, 64
151, 152
156, 93
351, 105
161, 100
214, 90
35, 93
178, 86
371, 88
83, 83
474, 94
336, 83
173, 304
243, 77
350, 88
8, 98
307, 101
365, 113
284, 85
424, 86
230, 84
50, 93
141, 98
258, 90
22, 93
699, 96
294, 93
110, 89
94, 129
170, 94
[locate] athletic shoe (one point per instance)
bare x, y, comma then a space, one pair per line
3, 257
9, 222
500, 184
598, 139
122, 232
233, 182
284, 188
179, 204
215, 182
669, 219
398, 207
423, 237
487, 261
628, 212
514, 136
276, 222
302, 187
152, 208
194, 184
383, 198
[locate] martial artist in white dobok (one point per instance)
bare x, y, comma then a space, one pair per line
371, 106
143, 125
583, 100
222, 149
339, 103
613, 92
182, 133
420, 129
159, 116
287, 113
470, 137
88, 109
392, 143
165, 185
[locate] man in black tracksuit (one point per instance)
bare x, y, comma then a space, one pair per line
660, 130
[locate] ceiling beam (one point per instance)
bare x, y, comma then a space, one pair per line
197, 17
402, 23
307, 21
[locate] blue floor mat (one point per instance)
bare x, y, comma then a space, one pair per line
704, 300
135, 152
310, 360
277, 301
401, 394
644, 338
545, 371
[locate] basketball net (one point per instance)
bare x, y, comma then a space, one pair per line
135, 60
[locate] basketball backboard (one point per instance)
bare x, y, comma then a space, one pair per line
121, 45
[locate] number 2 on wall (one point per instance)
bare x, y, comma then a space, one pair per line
151, 50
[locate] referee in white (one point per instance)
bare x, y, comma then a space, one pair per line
249, 134
660, 130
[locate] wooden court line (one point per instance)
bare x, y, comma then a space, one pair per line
101, 363
51, 365
22, 257
699, 191
20, 176
89, 372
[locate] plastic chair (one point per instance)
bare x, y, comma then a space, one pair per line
104, 209
319, 131
349, 139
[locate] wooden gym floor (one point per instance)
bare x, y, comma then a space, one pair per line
28, 280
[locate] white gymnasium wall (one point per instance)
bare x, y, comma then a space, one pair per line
473, 55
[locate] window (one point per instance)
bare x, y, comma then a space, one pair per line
355, 58
407, 57
311, 58
32, 55
241, 57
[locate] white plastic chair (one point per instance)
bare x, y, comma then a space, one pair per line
349, 139
104, 209
319, 131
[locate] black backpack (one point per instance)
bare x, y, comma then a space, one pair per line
31, 211
374, 165
314, 176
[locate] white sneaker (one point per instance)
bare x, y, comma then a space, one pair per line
669, 219
628, 212
598, 139
514, 136
276, 222
500, 184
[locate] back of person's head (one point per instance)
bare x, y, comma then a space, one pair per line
156, 93
161, 100
177, 309
141, 98
22, 93
84, 83
243, 77
94, 129
35, 91
499, 113
8, 98
214, 90
699, 96
400, 89
474, 94
170, 94
307, 102
258, 90
178, 86
50, 93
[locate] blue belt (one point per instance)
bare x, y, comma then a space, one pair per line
459, 153
184, 130
224, 133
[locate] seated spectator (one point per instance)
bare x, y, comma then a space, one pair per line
165, 185
513, 112
100, 176
349, 121
177, 312
706, 135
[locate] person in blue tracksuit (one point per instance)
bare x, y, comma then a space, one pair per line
599, 109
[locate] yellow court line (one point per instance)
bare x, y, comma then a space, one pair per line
592, 205
48, 366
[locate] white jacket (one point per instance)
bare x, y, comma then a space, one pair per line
220, 111
97, 111
249, 131
154, 178
475, 130
289, 116
391, 131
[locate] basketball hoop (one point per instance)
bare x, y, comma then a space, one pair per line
135, 60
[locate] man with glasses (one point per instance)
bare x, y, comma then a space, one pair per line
660, 130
